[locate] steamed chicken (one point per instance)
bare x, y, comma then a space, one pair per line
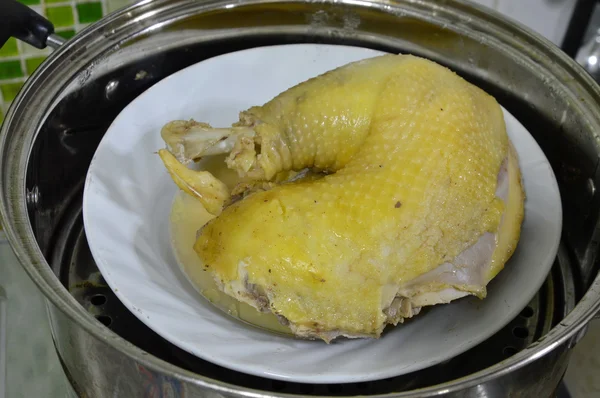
364, 194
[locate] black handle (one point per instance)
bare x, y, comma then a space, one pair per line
20, 21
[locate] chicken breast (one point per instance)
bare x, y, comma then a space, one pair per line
365, 193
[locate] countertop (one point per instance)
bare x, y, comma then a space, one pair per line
32, 365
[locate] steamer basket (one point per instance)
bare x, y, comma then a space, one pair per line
56, 122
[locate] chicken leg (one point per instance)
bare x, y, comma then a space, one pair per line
418, 199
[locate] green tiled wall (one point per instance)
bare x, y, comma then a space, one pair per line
60, 16
18, 60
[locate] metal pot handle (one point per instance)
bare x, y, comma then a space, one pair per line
21, 22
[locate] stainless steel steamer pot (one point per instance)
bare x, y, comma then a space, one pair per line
53, 127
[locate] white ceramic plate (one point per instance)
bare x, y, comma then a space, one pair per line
127, 201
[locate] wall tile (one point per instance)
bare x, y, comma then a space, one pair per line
10, 90
9, 49
89, 12
66, 33
31, 64
10, 69
61, 16
547, 17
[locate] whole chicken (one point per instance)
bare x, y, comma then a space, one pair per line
365, 194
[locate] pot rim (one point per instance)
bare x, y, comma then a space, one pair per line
15, 150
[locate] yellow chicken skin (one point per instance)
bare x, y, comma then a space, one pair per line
413, 197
